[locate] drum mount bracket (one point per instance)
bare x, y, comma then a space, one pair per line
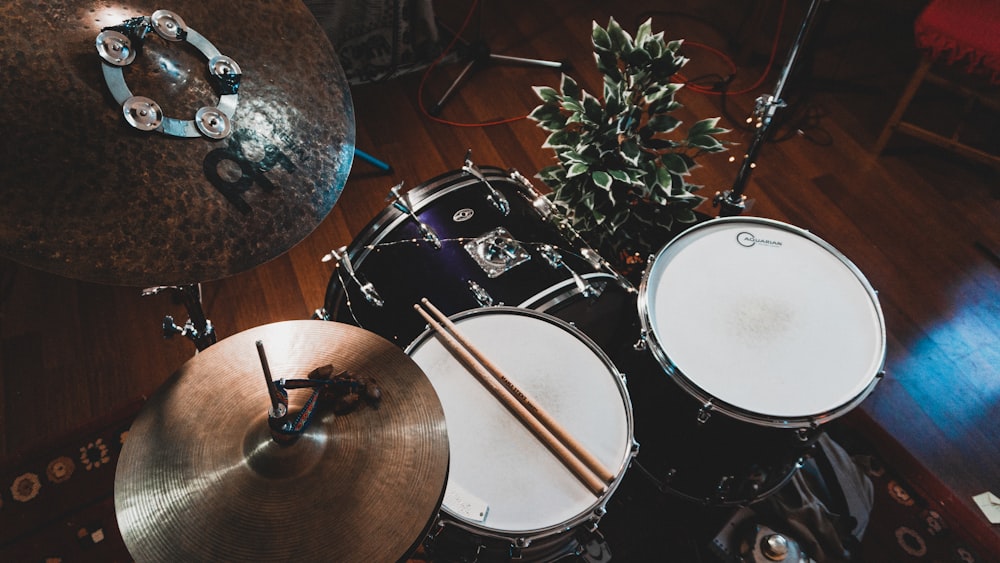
197, 328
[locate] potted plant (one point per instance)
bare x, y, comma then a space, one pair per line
622, 161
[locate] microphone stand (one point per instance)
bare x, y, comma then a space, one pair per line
733, 202
480, 56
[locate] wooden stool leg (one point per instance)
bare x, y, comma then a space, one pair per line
904, 102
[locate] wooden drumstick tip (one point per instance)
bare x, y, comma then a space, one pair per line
515, 401
536, 410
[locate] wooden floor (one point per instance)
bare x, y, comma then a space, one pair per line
924, 227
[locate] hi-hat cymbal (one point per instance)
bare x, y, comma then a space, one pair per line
200, 478
89, 196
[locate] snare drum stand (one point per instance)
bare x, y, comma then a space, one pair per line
480, 55
733, 202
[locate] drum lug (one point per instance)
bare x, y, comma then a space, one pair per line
495, 197
724, 486
599, 263
705, 412
433, 533
554, 259
401, 202
482, 296
516, 549
321, 314
594, 520
640, 345
344, 261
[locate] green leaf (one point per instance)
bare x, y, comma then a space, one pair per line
569, 87
553, 176
612, 104
663, 177
655, 144
706, 127
601, 179
620, 175
548, 117
577, 169
644, 31
675, 163
620, 39
638, 58
607, 64
684, 215
562, 138
663, 123
705, 143
546, 93
602, 41
630, 152
592, 108
654, 45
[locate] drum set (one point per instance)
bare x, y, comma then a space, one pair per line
363, 434
715, 400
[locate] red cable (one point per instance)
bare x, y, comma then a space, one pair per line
693, 87
732, 65
423, 79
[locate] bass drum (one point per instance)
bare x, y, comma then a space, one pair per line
790, 335
462, 240
508, 497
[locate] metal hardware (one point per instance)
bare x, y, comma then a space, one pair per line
495, 197
482, 296
401, 202
705, 412
497, 252
344, 261
554, 259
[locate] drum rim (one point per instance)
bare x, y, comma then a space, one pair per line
597, 509
714, 403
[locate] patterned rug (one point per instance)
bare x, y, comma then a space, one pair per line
57, 505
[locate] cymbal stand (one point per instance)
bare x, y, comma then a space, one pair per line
197, 328
481, 55
733, 202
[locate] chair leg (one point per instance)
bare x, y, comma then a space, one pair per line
904, 102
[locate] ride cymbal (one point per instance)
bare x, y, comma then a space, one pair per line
93, 187
200, 477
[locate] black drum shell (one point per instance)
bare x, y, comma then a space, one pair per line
393, 255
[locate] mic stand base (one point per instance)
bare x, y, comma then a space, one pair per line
729, 203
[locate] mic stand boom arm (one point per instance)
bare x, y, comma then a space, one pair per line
733, 202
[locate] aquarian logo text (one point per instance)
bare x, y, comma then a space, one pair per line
748, 239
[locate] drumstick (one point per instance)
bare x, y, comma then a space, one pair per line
557, 429
510, 399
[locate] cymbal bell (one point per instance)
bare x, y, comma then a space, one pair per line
89, 194
199, 477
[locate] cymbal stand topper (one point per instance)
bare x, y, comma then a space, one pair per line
340, 390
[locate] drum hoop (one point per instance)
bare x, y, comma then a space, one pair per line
739, 413
420, 197
554, 295
595, 510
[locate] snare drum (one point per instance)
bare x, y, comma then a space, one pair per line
507, 495
785, 334
448, 240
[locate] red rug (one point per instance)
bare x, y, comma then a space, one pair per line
57, 505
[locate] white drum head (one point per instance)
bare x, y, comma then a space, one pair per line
501, 478
765, 320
